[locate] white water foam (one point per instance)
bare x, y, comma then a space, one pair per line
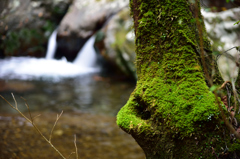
27, 68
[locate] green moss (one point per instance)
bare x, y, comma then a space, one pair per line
173, 65
181, 103
171, 95
129, 119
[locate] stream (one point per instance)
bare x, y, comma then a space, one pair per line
89, 103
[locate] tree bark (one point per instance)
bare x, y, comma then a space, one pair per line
172, 113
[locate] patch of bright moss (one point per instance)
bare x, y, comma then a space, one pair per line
170, 72
171, 91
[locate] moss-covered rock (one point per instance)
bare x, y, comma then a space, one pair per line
83, 19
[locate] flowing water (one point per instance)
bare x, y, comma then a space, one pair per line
87, 52
90, 103
50, 84
52, 45
80, 94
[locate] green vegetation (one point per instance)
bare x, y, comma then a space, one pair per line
168, 70
27, 41
17, 39
172, 100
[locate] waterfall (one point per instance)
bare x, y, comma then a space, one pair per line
52, 45
27, 68
87, 55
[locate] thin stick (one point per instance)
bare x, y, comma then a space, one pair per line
26, 104
58, 117
36, 116
31, 121
14, 101
70, 155
75, 144
45, 137
16, 110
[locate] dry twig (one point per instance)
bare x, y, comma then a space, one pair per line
31, 119
75, 144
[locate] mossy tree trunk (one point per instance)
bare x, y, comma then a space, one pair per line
171, 113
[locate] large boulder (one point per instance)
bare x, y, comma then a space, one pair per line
83, 19
26, 25
86, 16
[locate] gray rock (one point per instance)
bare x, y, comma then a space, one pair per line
86, 16
82, 20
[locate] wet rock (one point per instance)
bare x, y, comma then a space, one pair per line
83, 19
86, 16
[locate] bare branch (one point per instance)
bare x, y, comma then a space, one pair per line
70, 154
31, 121
58, 117
14, 101
28, 109
16, 109
36, 116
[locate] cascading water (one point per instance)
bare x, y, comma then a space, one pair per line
87, 55
48, 68
52, 45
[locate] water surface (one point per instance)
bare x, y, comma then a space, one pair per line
86, 93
